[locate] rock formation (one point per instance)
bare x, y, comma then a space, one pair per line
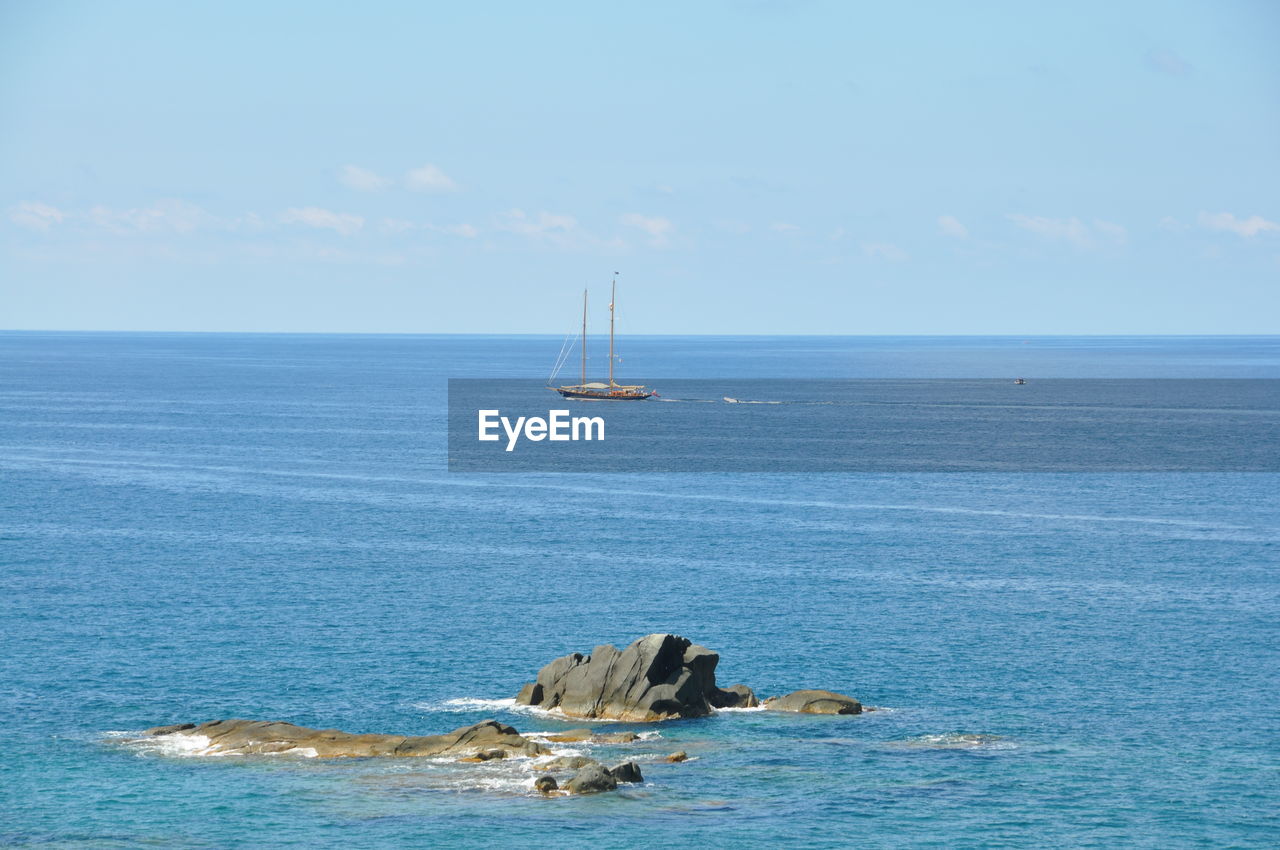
591, 779
594, 777
814, 702
658, 677
565, 763
628, 771
481, 742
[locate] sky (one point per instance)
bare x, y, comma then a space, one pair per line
745, 166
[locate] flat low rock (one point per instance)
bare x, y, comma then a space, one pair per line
814, 702
483, 741
658, 677
565, 763
569, 736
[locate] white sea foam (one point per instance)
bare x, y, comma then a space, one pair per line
182, 745
176, 745
508, 704
469, 704
556, 752
736, 709
955, 741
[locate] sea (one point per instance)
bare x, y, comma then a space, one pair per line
205, 526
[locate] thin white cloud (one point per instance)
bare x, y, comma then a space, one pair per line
395, 225
344, 223
1168, 62
166, 216
361, 179
1247, 227
884, 251
658, 228
1071, 230
1115, 232
429, 178
35, 215
466, 231
250, 221
558, 230
1172, 224
951, 226
543, 224
784, 227
400, 225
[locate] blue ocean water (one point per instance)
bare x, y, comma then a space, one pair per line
203, 526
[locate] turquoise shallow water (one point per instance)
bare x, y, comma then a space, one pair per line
195, 527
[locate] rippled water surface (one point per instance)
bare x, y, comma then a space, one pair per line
203, 526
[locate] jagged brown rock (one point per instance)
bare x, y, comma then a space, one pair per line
658, 677
814, 702
481, 741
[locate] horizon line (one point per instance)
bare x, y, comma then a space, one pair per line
1199, 335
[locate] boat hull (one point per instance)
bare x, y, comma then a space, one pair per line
603, 395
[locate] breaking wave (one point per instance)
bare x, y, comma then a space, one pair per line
954, 741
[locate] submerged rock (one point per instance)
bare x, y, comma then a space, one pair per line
658, 677
591, 779
545, 784
481, 741
678, 755
814, 702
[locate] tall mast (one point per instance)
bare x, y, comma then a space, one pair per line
613, 296
584, 337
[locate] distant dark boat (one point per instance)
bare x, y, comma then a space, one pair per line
597, 391
1019, 381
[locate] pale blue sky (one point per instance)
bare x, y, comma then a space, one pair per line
749, 167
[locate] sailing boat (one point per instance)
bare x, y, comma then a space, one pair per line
597, 391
